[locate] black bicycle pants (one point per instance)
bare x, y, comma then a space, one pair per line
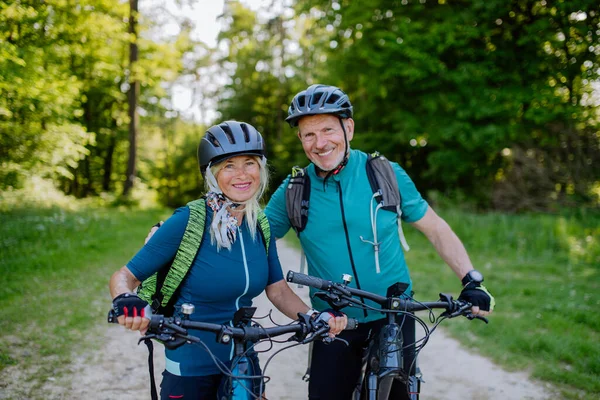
335, 368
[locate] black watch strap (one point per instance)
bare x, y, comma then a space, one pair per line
472, 276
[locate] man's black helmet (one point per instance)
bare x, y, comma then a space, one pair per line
319, 99
229, 139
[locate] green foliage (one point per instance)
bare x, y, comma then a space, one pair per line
63, 103
491, 99
172, 170
444, 87
263, 80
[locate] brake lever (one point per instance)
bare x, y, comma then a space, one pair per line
334, 300
470, 316
317, 335
457, 312
147, 337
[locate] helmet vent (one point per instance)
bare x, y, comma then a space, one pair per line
246, 132
301, 101
213, 140
317, 96
332, 99
228, 132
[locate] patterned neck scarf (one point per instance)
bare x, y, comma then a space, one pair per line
224, 225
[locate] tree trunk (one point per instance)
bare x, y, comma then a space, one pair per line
134, 88
108, 162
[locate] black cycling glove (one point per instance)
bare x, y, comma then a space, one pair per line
129, 305
477, 294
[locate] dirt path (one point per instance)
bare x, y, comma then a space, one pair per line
450, 371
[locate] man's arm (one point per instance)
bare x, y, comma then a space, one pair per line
452, 251
445, 241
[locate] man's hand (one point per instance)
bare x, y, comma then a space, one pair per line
154, 229
483, 302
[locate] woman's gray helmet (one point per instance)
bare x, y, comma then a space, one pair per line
319, 99
229, 139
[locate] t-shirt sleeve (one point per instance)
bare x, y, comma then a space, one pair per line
276, 212
413, 205
162, 246
275, 272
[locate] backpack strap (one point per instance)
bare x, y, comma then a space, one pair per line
265, 229
297, 198
188, 248
384, 184
383, 181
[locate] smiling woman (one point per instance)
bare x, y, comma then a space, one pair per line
230, 269
239, 177
232, 160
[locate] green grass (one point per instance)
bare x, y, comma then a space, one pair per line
544, 271
55, 267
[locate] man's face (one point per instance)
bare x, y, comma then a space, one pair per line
322, 139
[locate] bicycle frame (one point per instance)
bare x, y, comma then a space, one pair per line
240, 385
383, 363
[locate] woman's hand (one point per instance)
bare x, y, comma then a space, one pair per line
131, 312
128, 307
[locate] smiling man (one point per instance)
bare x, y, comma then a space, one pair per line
347, 232
323, 140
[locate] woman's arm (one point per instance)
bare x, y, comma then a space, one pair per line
122, 281
288, 302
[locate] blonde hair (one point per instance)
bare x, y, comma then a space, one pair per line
251, 207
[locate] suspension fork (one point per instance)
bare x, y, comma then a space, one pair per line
414, 385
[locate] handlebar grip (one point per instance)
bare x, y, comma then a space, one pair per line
352, 324
306, 280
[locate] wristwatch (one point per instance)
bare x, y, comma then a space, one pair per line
472, 276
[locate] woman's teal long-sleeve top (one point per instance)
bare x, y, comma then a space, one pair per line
218, 284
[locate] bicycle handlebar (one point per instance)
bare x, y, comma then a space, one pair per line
170, 328
225, 333
453, 307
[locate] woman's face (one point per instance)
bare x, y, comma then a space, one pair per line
239, 178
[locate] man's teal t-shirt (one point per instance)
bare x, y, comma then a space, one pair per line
339, 227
